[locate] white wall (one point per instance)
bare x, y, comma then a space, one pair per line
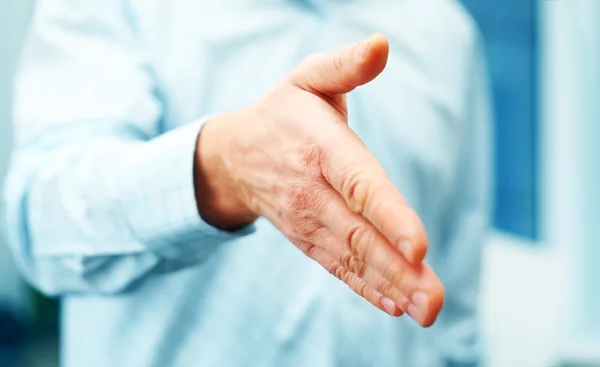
541, 305
522, 302
14, 15
571, 171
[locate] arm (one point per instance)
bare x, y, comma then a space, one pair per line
459, 262
97, 199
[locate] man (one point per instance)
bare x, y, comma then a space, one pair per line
169, 151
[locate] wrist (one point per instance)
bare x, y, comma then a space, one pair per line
218, 196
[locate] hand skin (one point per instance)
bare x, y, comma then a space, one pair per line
293, 159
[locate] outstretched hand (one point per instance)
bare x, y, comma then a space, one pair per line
293, 159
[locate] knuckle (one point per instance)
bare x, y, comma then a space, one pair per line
312, 231
355, 191
354, 237
361, 289
289, 229
341, 273
310, 251
358, 241
300, 76
346, 260
354, 264
358, 266
305, 228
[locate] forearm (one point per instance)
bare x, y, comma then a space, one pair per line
115, 203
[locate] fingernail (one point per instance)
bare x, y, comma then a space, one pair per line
388, 305
419, 307
421, 301
416, 314
406, 249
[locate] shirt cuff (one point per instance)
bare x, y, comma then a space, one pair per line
163, 213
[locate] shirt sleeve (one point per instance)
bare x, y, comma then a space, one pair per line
459, 262
98, 197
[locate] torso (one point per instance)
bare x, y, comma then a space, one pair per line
259, 301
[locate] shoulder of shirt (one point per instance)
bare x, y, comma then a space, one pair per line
450, 21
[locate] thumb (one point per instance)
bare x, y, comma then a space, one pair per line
341, 71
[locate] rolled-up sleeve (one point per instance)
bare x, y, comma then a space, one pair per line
98, 196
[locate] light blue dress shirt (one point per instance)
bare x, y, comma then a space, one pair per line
110, 97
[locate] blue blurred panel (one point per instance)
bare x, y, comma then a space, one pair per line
12, 339
509, 28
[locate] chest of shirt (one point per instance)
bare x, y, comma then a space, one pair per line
214, 57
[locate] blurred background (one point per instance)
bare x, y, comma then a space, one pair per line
541, 294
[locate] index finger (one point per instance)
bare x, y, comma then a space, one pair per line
366, 188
